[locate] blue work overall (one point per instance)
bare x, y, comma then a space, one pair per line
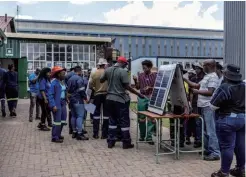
57, 98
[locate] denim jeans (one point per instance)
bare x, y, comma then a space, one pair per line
231, 134
211, 144
78, 115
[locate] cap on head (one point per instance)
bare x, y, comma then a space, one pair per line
102, 61
232, 72
122, 60
57, 69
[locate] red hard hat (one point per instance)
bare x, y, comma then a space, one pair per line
56, 69
122, 59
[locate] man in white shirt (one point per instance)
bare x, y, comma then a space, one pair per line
205, 89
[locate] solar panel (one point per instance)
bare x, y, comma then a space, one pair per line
161, 88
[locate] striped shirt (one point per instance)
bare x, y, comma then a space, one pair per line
146, 80
210, 80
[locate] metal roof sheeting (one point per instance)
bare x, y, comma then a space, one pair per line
4, 23
234, 33
57, 37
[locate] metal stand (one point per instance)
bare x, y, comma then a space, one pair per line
159, 142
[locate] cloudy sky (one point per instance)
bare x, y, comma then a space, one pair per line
191, 14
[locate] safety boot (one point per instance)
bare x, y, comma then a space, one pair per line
3, 113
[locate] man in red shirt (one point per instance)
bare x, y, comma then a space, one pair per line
145, 83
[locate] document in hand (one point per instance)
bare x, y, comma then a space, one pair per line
90, 108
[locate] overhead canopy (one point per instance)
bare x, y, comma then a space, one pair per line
57, 37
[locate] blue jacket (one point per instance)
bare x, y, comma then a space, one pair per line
34, 87
44, 85
54, 95
2, 76
68, 76
76, 89
11, 79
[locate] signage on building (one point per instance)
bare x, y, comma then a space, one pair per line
9, 52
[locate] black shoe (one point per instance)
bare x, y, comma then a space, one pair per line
14, 114
57, 140
30, 120
237, 172
84, 132
70, 131
44, 128
211, 158
151, 143
11, 114
37, 118
197, 144
111, 145
219, 174
61, 137
50, 125
95, 136
188, 142
128, 146
3, 113
104, 137
82, 137
204, 153
74, 134
181, 145
141, 139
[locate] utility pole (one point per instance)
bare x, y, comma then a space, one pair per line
17, 15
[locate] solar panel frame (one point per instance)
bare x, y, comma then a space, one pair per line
153, 107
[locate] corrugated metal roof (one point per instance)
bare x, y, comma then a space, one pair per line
4, 23
57, 37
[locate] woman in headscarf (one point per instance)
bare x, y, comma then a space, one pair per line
44, 86
11, 80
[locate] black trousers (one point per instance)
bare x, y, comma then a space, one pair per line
191, 124
119, 117
46, 113
178, 110
69, 119
100, 101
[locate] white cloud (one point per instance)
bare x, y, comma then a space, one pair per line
165, 14
80, 2
67, 18
23, 17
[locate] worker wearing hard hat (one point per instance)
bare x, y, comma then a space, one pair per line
57, 103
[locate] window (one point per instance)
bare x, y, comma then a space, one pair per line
192, 49
143, 49
150, 50
159, 49
178, 49
137, 50
204, 50
186, 49
210, 51
165, 49
165, 63
198, 50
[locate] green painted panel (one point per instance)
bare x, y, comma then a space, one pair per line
22, 77
13, 45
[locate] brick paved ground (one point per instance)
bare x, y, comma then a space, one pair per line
27, 152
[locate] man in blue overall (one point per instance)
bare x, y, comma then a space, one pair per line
67, 77
2, 91
76, 91
34, 90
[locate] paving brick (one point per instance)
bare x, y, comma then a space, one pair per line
25, 151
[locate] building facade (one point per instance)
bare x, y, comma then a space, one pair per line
138, 41
234, 33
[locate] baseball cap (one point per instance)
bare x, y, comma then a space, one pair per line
122, 59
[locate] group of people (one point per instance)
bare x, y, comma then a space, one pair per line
214, 92
218, 95
54, 89
9, 90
